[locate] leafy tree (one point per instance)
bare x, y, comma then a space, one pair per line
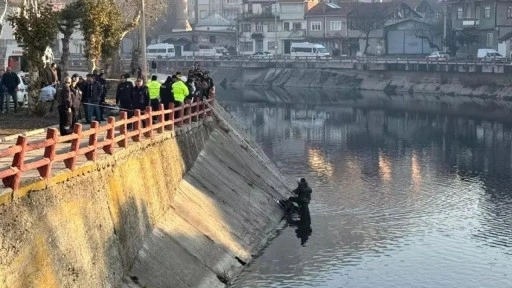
98, 15
34, 29
68, 20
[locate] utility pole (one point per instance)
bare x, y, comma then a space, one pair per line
275, 23
445, 11
143, 42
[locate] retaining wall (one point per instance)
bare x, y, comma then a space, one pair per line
184, 210
481, 85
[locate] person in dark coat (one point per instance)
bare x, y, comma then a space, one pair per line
124, 95
10, 81
166, 94
45, 75
76, 101
65, 99
303, 192
92, 96
140, 95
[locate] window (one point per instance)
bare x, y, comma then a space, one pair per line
477, 12
271, 45
259, 28
316, 26
213, 40
509, 12
297, 25
487, 12
203, 14
246, 46
271, 27
286, 26
335, 25
246, 27
230, 14
460, 13
490, 38
231, 1
259, 45
249, 8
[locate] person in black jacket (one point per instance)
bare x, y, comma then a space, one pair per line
92, 96
65, 99
10, 81
140, 95
124, 95
166, 94
76, 101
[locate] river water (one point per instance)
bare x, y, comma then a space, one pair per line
401, 197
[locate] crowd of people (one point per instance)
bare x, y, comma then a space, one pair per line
91, 94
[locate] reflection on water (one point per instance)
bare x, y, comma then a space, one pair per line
400, 199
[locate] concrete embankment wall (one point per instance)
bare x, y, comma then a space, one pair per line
184, 210
470, 84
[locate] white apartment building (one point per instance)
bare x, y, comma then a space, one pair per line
271, 25
228, 9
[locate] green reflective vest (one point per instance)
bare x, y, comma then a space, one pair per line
154, 89
180, 91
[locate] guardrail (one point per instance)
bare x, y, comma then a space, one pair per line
115, 132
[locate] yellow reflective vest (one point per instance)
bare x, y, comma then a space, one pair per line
154, 89
180, 91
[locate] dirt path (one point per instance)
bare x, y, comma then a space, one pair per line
20, 122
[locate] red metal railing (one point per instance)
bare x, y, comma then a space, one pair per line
115, 132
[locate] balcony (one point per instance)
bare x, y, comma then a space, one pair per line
257, 35
470, 23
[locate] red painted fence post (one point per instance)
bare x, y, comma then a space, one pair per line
75, 145
171, 106
49, 153
123, 129
18, 161
161, 118
149, 122
111, 134
93, 141
137, 126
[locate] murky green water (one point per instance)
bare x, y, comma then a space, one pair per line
401, 198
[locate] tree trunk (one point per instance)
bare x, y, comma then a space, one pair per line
367, 43
134, 64
116, 68
64, 59
34, 106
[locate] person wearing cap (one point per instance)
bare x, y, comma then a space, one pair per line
179, 90
76, 98
124, 95
303, 192
154, 92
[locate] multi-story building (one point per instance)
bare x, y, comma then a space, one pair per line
271, 25
489, 21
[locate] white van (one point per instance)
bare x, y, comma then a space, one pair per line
160, 50
489, 55
306, 49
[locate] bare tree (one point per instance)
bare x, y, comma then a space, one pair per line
366, 24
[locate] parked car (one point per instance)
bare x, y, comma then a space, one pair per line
22, 92
438, 56
490, 55
262, 55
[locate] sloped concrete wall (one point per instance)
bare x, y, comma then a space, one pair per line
469, 84
139, 219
